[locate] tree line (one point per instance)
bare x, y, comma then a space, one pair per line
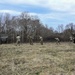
28, 25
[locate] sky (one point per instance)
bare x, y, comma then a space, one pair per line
50, 12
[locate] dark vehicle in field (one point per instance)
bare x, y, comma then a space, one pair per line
73, 35
3, 38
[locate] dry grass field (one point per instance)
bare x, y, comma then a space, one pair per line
47, 59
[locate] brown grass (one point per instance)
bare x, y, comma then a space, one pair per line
47, 59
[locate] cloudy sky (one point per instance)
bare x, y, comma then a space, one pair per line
50, 12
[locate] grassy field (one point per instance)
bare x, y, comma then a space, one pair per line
47, 59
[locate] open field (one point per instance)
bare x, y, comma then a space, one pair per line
47, 59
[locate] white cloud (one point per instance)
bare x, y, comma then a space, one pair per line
57, 5
10, 12
55, 16
61, 5
46, 16
19, 1
67, 6
42, 17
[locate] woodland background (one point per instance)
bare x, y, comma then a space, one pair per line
28, 25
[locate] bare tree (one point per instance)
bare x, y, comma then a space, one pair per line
0, 23
24, 21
